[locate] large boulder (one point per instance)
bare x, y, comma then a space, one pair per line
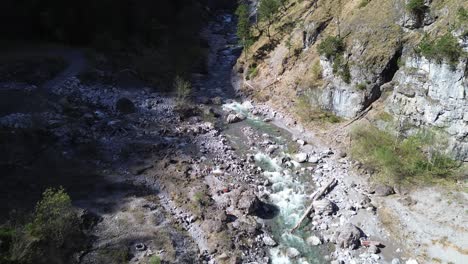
292, 253
234, 118
301, 157
348, 236
269, 241
125, 106
249, 203
323, 207
314, 241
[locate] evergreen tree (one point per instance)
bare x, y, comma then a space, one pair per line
243, 25
267, 11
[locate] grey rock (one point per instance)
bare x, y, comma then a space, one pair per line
234, 118
314, 241
292, 252
323, 207
314, 159
384, 190
249, 202
396, 261
269, 241
301, 157
348, 236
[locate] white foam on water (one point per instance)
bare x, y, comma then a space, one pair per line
273, 165
288, 194
238, 108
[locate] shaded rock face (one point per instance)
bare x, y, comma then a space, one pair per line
430, 95
348, 237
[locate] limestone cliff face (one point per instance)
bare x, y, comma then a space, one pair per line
380, 38
434, 96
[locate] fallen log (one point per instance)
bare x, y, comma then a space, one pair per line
368, 243
315, 196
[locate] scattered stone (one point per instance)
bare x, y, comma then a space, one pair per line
343, 154
314, 241
292, 252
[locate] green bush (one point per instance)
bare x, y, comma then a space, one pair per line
252, 72
363, 3
155, 260
416, 6
331, 47
54, 217
443, 48
183, 88
309, 112
341, 68
410, 160
361, 86
53, 234
462, 14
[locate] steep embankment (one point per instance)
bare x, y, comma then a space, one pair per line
339, 57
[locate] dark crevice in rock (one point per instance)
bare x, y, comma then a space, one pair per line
309, 37
386, 76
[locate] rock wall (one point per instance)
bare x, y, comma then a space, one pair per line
379, 42
433, 95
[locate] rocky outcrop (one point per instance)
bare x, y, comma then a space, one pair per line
430, 95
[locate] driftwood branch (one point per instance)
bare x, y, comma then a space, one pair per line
315, 197
361, 115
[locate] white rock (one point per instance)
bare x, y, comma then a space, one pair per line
301, 157
269, 241
314, 159
411, 261
292, 253
314, 241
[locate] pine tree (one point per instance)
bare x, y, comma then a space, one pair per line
243, 25
267, 11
